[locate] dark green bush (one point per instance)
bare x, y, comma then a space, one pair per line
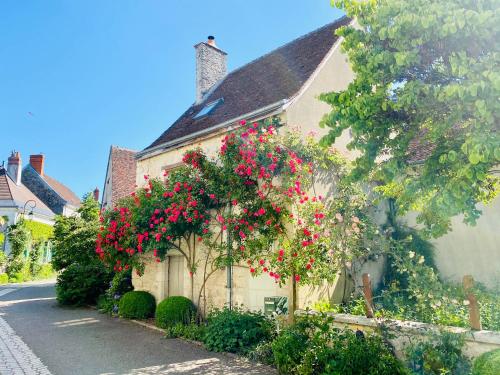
487, 363
190, 331
81, 284
439, 354
173, 310
137, 305
314, 346
290, 345
235, 330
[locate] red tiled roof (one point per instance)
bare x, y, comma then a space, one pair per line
123, 166
273, 77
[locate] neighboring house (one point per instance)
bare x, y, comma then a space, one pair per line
120, 176
16, 200
58, 197
286, 83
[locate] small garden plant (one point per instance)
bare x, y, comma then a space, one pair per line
235, 330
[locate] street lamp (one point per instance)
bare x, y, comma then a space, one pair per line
31, 204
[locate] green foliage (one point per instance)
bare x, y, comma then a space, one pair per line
4, 278
74, 236
39, 231
290, 345
83, 277
3, 259
439, 354
2, 238
19, 239
418, 293
426, 79
173, 310
314, 346
190, 331
45, 272
236, 331
81, 284
487, 363
137, 305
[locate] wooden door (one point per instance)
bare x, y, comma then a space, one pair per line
176, 276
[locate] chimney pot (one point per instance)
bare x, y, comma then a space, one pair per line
37, 162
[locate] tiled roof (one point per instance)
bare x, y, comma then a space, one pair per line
123, 173
63, 191
273, 77
19, 194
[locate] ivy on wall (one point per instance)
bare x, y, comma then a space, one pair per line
39, 231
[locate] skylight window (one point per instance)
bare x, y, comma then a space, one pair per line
208, 108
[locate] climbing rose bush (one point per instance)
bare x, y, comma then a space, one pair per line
252, 203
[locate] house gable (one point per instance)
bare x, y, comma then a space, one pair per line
268, 81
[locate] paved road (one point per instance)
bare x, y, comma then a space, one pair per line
39, 337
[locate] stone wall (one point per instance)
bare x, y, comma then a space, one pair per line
477, 342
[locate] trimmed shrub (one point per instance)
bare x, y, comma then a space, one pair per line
236, 331
173, 310
137, 305
4, 278
487, 363
81, 284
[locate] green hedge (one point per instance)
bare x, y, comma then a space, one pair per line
487, 363
4, 278
81, 284
173, 310
137, 305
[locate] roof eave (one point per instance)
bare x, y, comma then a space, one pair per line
269, 110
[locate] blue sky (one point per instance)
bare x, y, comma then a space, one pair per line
78, 76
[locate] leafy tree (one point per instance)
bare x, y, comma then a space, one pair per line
83, 276
74, 236
423, 107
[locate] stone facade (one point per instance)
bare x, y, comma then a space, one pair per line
211, 67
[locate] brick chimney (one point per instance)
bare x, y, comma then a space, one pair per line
14, 167
96, 194
211, 66
37, 162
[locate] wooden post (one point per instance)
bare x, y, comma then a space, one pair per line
367, 293
474, 315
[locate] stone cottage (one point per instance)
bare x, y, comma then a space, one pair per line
286, 83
